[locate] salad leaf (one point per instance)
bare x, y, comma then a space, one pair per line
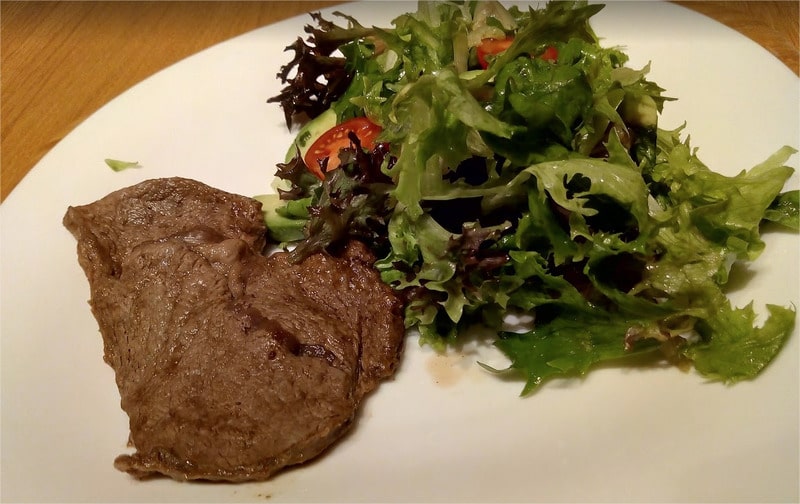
740, 350
785, 210
569, 345
118, 165
727, 210
435, 109
319, 78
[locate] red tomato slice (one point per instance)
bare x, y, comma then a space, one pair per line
550, 54
335, 139
492, 46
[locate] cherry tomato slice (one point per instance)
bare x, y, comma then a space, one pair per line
550, 54
335, 139
493, 47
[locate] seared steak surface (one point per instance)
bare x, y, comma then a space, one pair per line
230, 364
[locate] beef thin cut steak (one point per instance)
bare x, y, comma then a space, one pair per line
230, 364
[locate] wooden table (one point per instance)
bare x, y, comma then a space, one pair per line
61, 61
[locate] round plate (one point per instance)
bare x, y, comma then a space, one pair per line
444, 429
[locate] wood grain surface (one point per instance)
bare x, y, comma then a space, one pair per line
61, 61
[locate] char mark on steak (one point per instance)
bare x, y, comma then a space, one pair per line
230, 364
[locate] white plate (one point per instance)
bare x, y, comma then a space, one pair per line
444, 429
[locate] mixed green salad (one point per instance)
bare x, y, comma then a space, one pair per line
509, 171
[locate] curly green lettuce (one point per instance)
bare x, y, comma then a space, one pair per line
532, 185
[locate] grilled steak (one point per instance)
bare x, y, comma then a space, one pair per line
230, 364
